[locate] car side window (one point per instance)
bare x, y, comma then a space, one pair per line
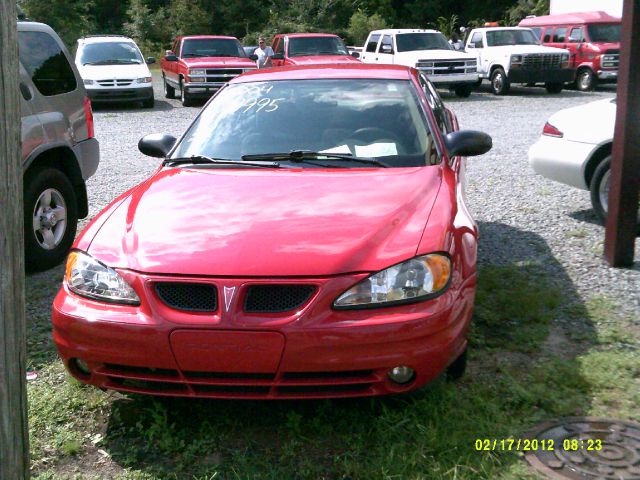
372, 43
477, 40
576, 35
559, 35
387, 41
547, 35
46, 63
438, 108
280, 46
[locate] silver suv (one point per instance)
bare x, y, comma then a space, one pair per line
59, 151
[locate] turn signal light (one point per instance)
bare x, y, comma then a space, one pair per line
551, 131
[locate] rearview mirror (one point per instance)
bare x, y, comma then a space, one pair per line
151, 60
156, 144
471, 45
171, 58
278, 56
386, 49
467, 143
355, 54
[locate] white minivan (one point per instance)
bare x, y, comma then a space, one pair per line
114, 70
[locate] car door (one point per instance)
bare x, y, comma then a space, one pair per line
476, 45
280, 50
385, 52
575, 46
31, 128
369, 52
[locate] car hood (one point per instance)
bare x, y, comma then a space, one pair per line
99, 72
213, 62
590, 123
410, 58
231, 222
322, 59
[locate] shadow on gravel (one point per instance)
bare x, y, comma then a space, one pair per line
529, 328
538, 91
588, 216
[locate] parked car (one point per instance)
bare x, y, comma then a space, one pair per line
198, 65
114, 70
309, 48
326, 254
59, 151
427, 50
592, 38
508, 55
575, 149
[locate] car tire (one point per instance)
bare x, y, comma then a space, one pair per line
554, 87
585, 80
599, 189
169, 91
48, 195
456, 370
463, 91
148, 103
185, 98
499, 82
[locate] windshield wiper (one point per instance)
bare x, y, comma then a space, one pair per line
192, 55
203, 160
299, 156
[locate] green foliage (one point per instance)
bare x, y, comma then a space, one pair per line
71, 19
526, 7
360, 24
447, 25
187, 17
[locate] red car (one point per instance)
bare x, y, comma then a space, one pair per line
328, 253
198, 65
309, 49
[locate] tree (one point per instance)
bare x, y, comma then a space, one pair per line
524, 8
361, 24
71, 19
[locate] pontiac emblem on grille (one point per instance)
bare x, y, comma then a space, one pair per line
228, 296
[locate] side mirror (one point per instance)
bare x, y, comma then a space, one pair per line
171, 58
156, 144
355, 54
471, 45
467, 143
386, 49
253, 57
151, 60
278, 56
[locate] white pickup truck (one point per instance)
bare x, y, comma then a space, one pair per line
428, 51
509, 55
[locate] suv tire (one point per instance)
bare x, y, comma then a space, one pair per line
585, 80
499, 82
554, 87
463, 91
48, 195
169, 91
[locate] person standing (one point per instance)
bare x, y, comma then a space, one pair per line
264, 54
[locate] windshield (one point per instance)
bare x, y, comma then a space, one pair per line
604, 33
212, 47
110, 53
360, 117
408, 42
303, 46
498, 38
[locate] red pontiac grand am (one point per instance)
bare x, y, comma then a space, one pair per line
306, 237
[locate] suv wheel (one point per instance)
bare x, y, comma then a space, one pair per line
169, 91
184, 96
463, 91
600, 191
585, 80
554, 87
499, 82
50, 218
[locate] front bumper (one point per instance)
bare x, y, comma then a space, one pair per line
456, 79
120, 94
314, 352
524, 75
607, 76
203, 89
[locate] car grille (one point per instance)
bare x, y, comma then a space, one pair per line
446, 67
610, 59
540, 61
276, 298
240, 385
115, 83
217, 75
195, 297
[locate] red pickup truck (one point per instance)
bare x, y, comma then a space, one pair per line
199, 65
309, 48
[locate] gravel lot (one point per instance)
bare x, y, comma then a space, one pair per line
522, 217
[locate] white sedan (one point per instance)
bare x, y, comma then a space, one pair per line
575, 148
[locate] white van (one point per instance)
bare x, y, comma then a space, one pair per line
114, 70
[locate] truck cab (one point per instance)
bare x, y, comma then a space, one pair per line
593, 41
308, 49
428, 51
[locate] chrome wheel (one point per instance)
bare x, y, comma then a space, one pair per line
50, 219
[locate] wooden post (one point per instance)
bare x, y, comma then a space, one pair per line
14, 436
625, 161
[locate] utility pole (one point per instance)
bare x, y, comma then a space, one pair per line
14, 436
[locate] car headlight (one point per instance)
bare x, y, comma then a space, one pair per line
88, 82
88, 277
516, 58
144, 80
197, 71
415, 280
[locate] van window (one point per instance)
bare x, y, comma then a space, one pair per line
604, 32
373, 42
559, 35
547, 36
46, 63
576, 35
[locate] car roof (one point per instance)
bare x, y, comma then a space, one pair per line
391, 31
571, 18
104, 39
292, 35
331, 71
219, 37
493, 29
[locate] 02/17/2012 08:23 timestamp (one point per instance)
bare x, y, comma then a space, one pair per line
533, 444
